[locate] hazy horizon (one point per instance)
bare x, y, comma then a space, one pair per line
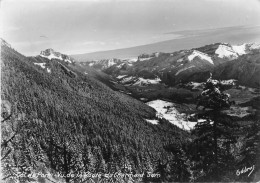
75, 27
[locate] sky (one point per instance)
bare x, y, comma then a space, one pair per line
78, 26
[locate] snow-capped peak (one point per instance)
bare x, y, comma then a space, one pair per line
51, 54
240, 49
234, 51
201, 55
253, 46
226, 51
111, 62
107, 63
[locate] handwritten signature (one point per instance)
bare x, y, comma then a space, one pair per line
245, 169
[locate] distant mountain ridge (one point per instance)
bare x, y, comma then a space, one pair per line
191, 39
183, 65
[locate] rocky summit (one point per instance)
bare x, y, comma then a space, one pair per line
51, 54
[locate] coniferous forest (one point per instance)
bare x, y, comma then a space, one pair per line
69, 127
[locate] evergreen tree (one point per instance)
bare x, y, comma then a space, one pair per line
179, 165
212, 155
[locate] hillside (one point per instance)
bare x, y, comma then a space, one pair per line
66, 60
64, 121
245, 69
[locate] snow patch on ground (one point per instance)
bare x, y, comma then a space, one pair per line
153, 121
120, 65
226, 51
232, 52
132, 59
113, 82
67, 60
141, 81
51, 56
195, 85
143, 99
181, 70
110, 63
144, 59
42, 65
201, 55
252, 90
128, 93
138, 81
239, 49
121, 76
254, 46
238, 111
127, 79
242, 87
229, 82
180, 60
168, 111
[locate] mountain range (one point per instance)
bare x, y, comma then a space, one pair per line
189, 65
135, 116
188, 39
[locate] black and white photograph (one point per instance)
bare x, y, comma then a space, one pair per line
129, 91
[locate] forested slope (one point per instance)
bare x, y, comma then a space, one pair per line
63, 121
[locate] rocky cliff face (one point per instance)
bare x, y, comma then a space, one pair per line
51, 54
